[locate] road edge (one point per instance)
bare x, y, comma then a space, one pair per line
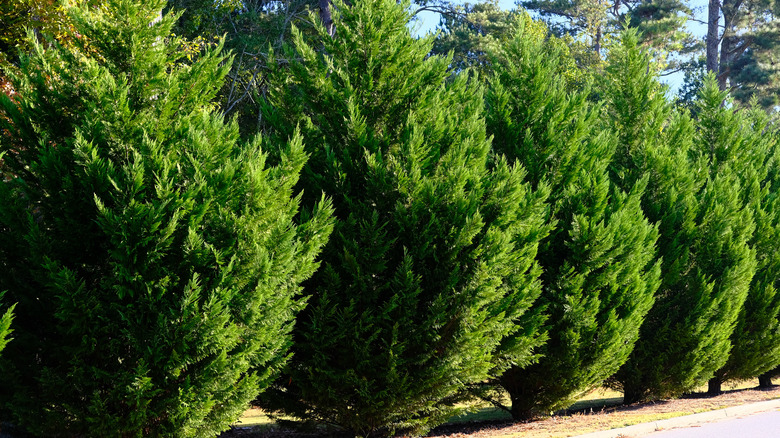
643, 429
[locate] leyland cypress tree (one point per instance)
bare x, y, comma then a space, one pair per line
745, 138
704, 226
431, 266
599, 269
153, 257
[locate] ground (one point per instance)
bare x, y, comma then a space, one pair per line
598, 411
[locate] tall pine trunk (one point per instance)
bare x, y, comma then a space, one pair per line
713, 35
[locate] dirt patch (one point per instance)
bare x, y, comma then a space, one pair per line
568, 424
592, 420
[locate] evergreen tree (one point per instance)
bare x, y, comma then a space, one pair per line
661, 23
745, 138
484, 28
431, 266
153, 258
599, 269
704, 226
742, 40
250, 29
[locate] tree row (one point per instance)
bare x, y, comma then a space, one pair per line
400, 238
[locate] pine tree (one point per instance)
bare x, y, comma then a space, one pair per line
704, 228
484, 27
745, 138
742, 40
661, 23
469, 32
153, 258
599, 269
431, 266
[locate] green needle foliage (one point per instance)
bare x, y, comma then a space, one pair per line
705, 229
431, 266
153, 258
5, 326
744, 137
599, 265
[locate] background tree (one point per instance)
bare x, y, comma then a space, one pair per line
473, 31
431, 266
742, 50
661, 23
252, 29
599, 273
704, 225
470, 32
16, 16
153, 257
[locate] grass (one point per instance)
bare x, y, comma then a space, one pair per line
589, 414
255, 417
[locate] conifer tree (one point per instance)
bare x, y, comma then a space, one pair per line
661, 23
153, 258
741, 49
599, 268
704, 228
431, 266
744, 137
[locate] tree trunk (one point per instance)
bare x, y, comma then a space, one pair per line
633, 395
726, 57
712, 36
729, 40
326, 15
597, 45
765, 381
714, 386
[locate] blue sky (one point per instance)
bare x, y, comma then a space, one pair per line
428, 21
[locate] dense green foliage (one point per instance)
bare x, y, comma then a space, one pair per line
697, 198
746, 138
251, 29
431, 265
599, 273
512, 210
480, 32
153, 257
5, 326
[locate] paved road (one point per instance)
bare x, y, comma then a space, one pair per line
762, 425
